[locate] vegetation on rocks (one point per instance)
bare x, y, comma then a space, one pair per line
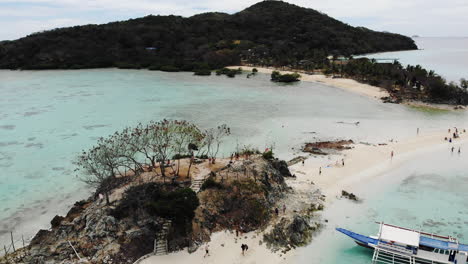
166, 201
229, 72
276, 76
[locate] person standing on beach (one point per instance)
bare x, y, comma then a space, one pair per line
342, 162
243, 249
320, 171
391, 155
303, 162
207, 251
459, 150
453, 148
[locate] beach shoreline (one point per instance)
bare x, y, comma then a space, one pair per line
355, 87
363, 162
342, 83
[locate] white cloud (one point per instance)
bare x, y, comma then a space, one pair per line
423, 17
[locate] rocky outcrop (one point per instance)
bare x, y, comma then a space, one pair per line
350, 196
282, 167
291, 233
241, 199
327, 147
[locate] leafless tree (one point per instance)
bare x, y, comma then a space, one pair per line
99, 166
213, 139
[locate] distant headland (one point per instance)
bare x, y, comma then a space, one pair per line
273, 33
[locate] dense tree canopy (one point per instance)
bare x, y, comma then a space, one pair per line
267, 33
403, 83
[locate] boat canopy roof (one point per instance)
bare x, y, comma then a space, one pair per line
444, 245
400, 236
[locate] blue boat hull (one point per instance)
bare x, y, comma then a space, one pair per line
361, 240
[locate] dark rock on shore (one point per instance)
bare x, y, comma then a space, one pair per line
350, 196
291, 233
325, 147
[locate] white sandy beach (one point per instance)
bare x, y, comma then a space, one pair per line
362, 162
342, 83
353, 86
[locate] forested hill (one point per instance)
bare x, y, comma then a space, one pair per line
269, 33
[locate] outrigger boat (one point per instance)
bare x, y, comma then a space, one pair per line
398, 245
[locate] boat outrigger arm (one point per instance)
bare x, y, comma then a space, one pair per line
398, 245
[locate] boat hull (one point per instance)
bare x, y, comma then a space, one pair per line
361, 240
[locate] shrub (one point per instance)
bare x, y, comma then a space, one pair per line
249, 150
210, 183
169, 68
177, 204
154, 67
254, 70
202, 72
180, 156
126, 65
268, 155
276, 76
229, 72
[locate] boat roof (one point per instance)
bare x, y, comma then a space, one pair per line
398, 235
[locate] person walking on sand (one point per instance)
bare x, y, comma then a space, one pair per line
459, 150
342, 162
207, 251
453, 148
303, 162
320, 171
243, 249
391, 155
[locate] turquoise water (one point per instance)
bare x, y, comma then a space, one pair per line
427, 192
47, 117
446, 56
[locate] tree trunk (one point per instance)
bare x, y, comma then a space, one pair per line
190, 166
106, 193
178, 166
163, 173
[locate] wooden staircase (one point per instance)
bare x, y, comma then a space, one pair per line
197, 184
160, 243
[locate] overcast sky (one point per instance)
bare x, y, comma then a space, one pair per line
410, 17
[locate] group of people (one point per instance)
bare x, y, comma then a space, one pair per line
244, 248
277, 210
454, 136
459, 149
